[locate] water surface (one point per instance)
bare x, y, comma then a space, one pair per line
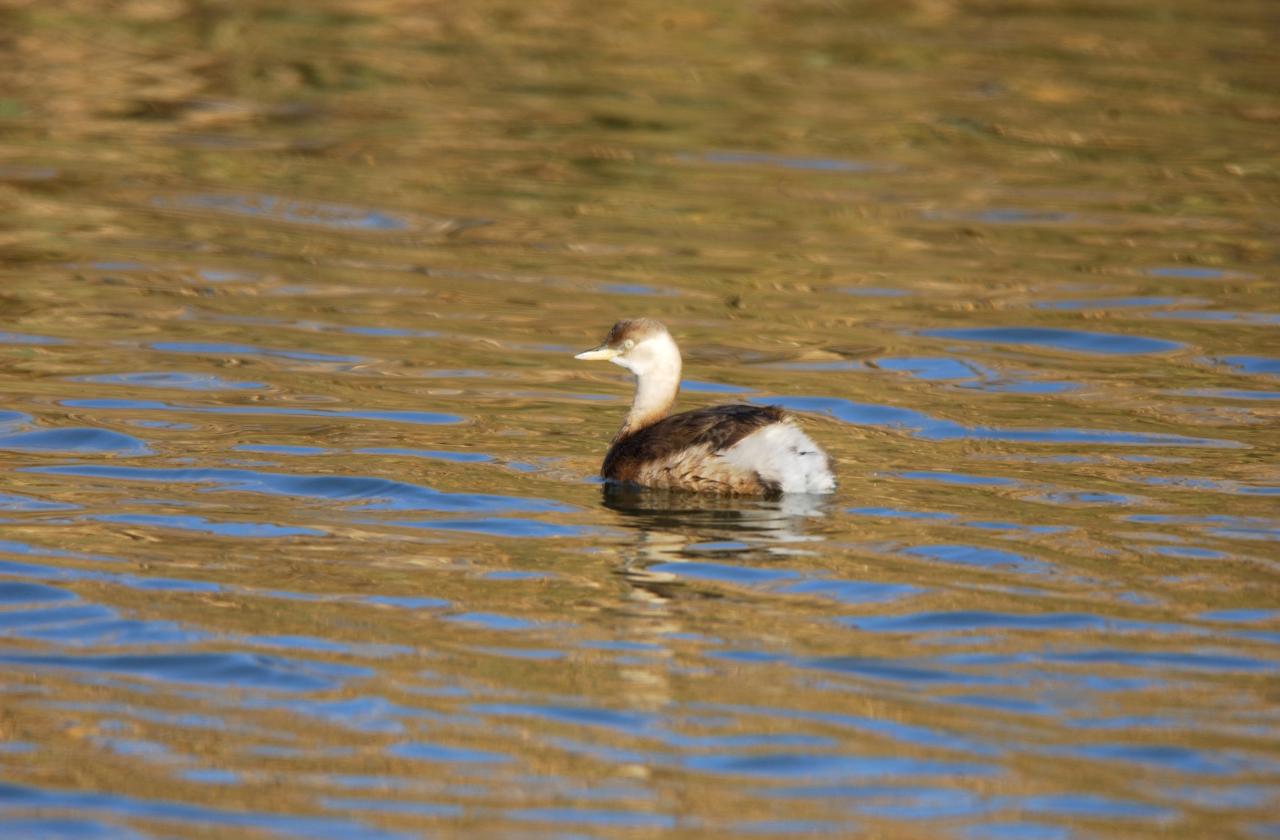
300, 533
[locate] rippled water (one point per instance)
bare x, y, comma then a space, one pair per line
300, 532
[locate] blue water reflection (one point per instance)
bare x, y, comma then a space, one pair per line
1255, 365
220, 349
170, 379
277, 208
931, 428
16, 798
425, 417
1077, 340
199, 524
372, 493
91, 441
7, 337
237, 668
784, 161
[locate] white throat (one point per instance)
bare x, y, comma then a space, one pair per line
656, 364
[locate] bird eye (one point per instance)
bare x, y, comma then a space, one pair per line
628, 344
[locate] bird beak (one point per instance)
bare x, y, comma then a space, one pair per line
602, 353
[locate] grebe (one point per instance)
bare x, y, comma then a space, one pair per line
732, 449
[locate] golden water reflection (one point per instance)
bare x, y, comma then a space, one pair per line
299, 529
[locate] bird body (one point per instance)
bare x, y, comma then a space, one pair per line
728, 449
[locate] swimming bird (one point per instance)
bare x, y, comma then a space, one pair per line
729, 449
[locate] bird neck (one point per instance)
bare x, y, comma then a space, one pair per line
656, 391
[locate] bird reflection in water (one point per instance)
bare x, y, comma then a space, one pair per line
672, 527
675, 527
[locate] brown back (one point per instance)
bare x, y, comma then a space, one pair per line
716, 428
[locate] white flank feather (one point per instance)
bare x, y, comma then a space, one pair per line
782, 454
